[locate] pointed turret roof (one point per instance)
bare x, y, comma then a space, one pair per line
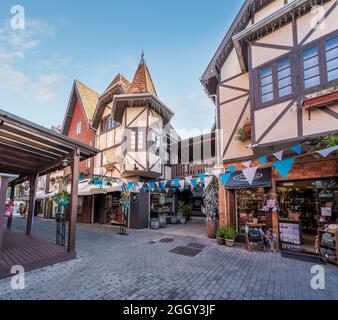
119, 80
142, 82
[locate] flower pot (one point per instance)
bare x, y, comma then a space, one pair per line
220, 241
247, 129
183, 220
229, 243
211, 226
155, 224
163, 222
173, 220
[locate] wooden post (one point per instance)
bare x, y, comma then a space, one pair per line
31, 206
3, 192
73, 201
10, 219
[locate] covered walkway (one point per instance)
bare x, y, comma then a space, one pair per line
28, 151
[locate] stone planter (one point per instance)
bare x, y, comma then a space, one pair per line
211, 226
163, 222
174, 220
221, 241
229, 243
155, 224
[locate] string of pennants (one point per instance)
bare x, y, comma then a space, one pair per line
203, 180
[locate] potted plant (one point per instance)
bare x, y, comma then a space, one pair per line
210, 208
154, 223
184, 211
220, 236
162, 220
247, 127
230, 236
173, 219
244, 133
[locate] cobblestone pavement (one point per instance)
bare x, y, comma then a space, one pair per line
110, 266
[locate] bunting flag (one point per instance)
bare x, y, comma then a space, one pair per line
279, 155
202, 176
250, 174
194, 182
297, 149
224, 177
174, 189
232, 169
163, 183
263, 160
207, 181
327, 151
166, 190
284, 166
145, 189
188, 179
175, 182
182, 184
217, 172
140, 185
187, 187
157, 184
130, 185
159, 190
151, 185
247, 164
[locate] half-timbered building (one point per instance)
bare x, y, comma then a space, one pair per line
276, 72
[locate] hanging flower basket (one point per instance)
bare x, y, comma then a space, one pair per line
62, 198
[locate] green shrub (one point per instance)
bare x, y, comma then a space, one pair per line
229, 233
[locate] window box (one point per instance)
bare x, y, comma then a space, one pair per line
321, 101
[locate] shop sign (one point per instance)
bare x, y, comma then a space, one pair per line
98, 191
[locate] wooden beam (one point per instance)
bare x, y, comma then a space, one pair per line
74, 200
31, 206
3, 191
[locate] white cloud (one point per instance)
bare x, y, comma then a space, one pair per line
15, 47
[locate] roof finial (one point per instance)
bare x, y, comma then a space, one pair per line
142, 58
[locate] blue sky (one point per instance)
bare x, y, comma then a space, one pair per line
94, 40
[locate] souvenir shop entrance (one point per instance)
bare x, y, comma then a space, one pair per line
305, 207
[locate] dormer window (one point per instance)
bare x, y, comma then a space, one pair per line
78, 128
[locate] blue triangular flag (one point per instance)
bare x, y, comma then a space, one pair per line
162, 184
159, 189
263, 160
145, 189
232, 169
174, 189
225, 177
187, 187
151, 185
176, 182
130, 185
284, 166
194, 182
202, 176
297, 149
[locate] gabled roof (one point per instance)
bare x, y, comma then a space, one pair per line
88, 98
119, 80
142, 82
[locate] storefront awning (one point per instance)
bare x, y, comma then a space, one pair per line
262, 180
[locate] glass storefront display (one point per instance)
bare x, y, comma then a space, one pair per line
250, 208
305, 206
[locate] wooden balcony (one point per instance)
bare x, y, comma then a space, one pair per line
184, 170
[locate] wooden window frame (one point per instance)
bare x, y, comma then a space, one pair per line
137, 132
324, 82
104, 124
258, 87
78, 128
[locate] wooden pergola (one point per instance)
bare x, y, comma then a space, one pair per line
28, 151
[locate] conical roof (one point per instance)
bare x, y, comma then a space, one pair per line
142, 82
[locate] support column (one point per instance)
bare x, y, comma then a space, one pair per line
3, 191
31, 206
73, 201
10, 219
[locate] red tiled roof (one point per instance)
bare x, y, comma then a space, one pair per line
142, 82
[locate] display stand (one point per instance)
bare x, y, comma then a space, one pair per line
325, 250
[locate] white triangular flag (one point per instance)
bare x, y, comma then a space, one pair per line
250, 174
157, 184
327, 151
247, 164
279, 155
166, 190
188, 179
140, 185
207, 181
217, 172
182, 184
